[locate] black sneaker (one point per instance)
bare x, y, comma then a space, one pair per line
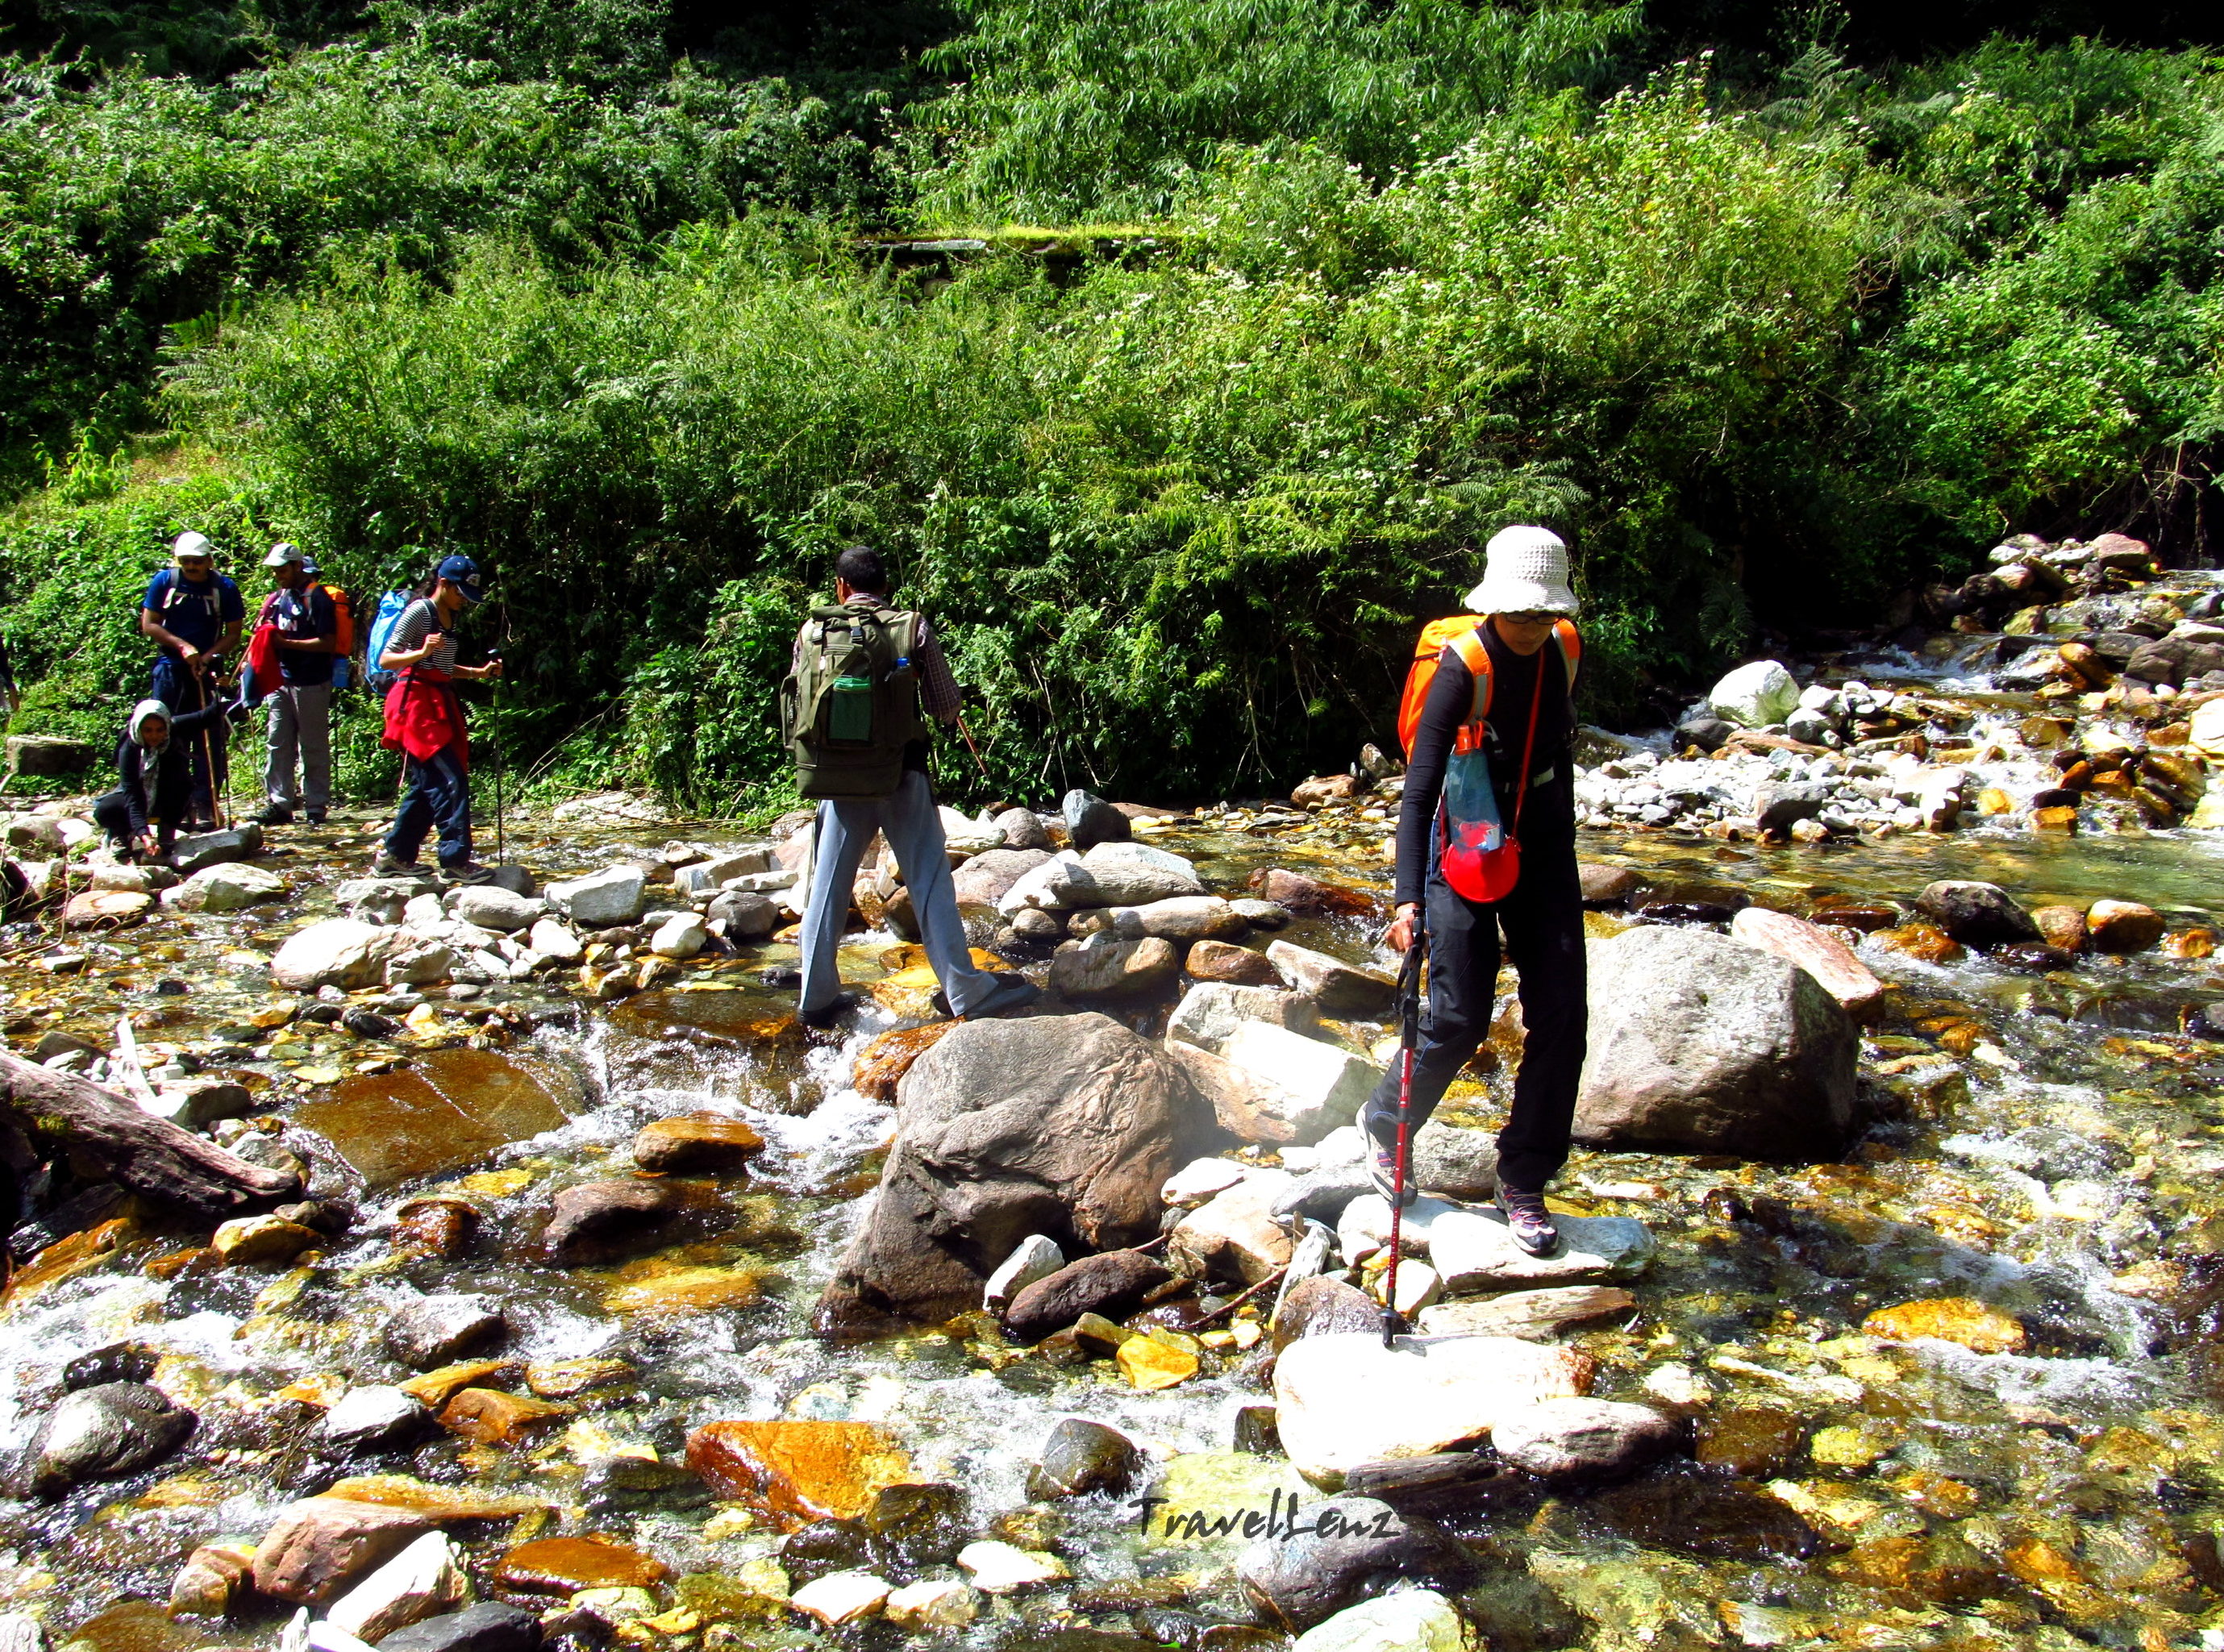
466, 872
1012, 994
276, 814
315, 817
829, 1012
1531, 1223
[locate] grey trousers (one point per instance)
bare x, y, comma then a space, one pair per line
301, 722
914, 827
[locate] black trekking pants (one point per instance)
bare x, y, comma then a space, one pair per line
1542, 920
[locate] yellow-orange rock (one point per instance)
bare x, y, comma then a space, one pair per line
565, 1565
1922, 940
493, 1418
661, 1288
1949, 1319
437, 1504
800, 1472
2122, 925
2063, 926
2060, 817
1149, 1364
435, 1226
697, 1141
2190, 943
436, 1388
560, 1379
888, 1057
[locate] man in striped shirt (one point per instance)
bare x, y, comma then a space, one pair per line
911, 822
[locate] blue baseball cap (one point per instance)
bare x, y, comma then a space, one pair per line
463, 573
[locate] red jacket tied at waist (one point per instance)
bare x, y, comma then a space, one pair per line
424, 717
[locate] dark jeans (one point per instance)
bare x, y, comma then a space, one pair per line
177, 686
1543, 920
111, 812
440, 795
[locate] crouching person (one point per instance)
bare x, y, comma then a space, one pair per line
154, 773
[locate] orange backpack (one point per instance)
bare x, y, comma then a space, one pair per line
344, 621
1458, 633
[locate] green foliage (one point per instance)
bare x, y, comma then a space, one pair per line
1073, 107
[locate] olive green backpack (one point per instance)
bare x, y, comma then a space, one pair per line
850, 704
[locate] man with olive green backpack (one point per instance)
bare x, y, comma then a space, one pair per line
855, 711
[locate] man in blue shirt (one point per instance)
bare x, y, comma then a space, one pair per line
301, 704
193, 614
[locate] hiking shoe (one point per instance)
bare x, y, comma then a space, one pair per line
1382, 1171
315, 817
276, 814
1532, 1224
387, 866
1012, 993
466, 872
829, 1012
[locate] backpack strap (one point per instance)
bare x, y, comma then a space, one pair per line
1473, 654
1571, 648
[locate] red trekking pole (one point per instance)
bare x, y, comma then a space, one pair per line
1409, 1034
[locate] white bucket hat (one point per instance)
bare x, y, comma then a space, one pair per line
1525, 570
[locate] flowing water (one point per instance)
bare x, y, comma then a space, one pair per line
2046, 1143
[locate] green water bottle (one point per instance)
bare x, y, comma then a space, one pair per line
849, 719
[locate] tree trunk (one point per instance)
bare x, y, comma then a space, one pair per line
151, 1156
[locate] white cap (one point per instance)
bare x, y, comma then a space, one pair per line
190, 544
1525, 570
283, 554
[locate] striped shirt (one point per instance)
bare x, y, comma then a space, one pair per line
419, 621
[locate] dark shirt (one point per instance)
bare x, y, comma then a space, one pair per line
1548, 814
198, 614
172, 769
304, 614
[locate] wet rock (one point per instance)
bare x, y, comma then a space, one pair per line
1754, 695
321, 1544
1412, 1620
1089, 821
436, 1227
1751, 1441
212, 1577
606, 900
1975, 914
190, 854
842, 1596
800, 1470
2122, 926
1113, 1283
490, 1626
1607, 885
1114, 969
1082, 1457
225, 888
565, 1565
1455, 1160
103, 909
1210, 1013
1022, 829
747, 915
1234, 1235
1035, 1257
1221, 962
1710, 734
885, 1061
1341, 1401
1350, 1548
999, 1568
1180, 919
1324, 1307
1306, 1086
1293, 891
1779, 808
1583, 1439
197, 1103
1821, 954
250, 1241
986, 879
1154, 1360
1925, 941
491, 907
103, 1431
1533, 1315
937, 1603
639, 1485
679, 938
1066, 1125
1949, 1319
1700, 1043
1111, 874
917, 1525
1343, 990
372, 1417
424, 1580
119, 1362
1693, 1514
437, 1330
597, 1221
710, 1142
451, 1108
2063, 928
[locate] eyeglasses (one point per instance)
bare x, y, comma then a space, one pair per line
1528, 619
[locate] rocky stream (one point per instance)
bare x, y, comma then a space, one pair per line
479, 1270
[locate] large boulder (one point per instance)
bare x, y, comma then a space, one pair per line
1112, 1285
1755, 696
1702, 1043
1212, 1010
1975, 914
321, 1544
1114, 969
986, 879
1309, 1086
225, 887
1111, 874
1090, 820
1814, 950
491, 907
602, 900
1342, 990
338, 952
1063, 1126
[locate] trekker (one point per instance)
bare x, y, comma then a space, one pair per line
424, 722
863, 674
154, 763
1530, 651
301, 704
193, 614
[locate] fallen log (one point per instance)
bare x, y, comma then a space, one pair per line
115, 1137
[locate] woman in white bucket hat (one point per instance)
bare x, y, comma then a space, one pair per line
1528, 604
